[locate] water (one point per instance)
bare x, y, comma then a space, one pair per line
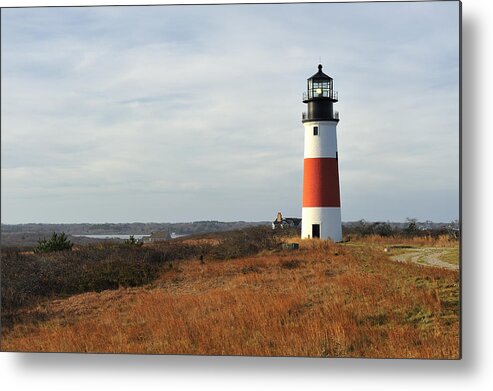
123, 237
111, 236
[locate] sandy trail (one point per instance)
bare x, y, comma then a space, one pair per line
426, 257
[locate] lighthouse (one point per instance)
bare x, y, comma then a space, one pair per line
321, 213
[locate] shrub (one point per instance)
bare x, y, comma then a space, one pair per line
58, 242
250, 241
27, 278
133, 242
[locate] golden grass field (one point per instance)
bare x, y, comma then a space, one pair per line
323, 300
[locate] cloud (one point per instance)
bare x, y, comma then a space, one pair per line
194, 112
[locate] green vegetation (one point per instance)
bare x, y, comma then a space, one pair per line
133, 242
58, 242
450, 255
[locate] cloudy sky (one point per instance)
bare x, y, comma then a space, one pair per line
182, 113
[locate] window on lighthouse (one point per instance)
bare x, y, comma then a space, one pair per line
321, 89
315, 130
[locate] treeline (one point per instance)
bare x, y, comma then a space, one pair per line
186, 228
28, 234
412, 228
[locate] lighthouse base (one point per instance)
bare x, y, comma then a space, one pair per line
324, 223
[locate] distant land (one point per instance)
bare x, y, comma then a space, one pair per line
29, 234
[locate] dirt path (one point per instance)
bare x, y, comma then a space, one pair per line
427, 257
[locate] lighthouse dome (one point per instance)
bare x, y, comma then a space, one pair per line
320, 75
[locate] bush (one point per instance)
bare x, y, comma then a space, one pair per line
250, 241
232, 244
56, 243
27, 278
133, 242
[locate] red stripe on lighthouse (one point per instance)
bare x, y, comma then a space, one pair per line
321, 183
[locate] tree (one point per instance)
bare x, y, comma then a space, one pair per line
412, 228
58, 242
133, 242
382, 229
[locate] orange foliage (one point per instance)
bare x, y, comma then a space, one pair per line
440, 241
324, 299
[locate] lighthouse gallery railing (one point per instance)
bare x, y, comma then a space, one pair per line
335, 115
323, 94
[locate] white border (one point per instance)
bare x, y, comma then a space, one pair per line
114, 372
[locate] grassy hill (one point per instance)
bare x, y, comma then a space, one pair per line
236, 293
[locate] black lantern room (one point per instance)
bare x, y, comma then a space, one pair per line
320, 97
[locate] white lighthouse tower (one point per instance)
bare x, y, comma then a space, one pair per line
321, 213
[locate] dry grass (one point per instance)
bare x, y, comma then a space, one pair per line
211, 241
322, 300
439, 241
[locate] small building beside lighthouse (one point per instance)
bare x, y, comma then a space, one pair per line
321, 212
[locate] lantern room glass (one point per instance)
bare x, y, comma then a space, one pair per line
319, 88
